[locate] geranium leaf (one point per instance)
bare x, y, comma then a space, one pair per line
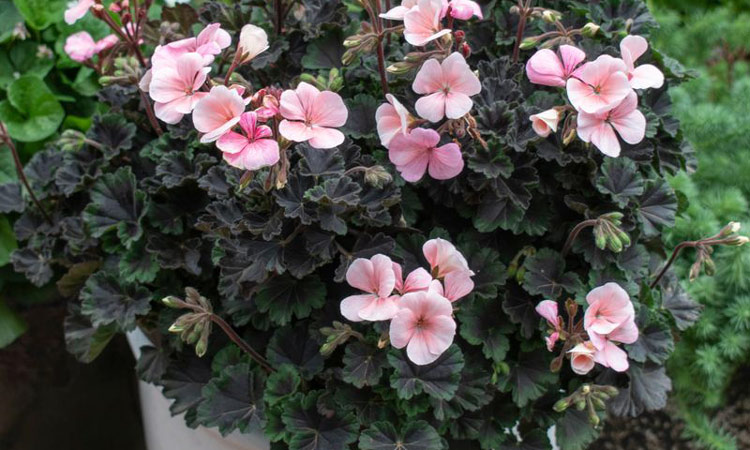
152, 364
113, 132
11, 199
473, 393
363, 364
319, 163
7, 241
310, 430
481, 323
183, 381
545, 275
657, 207
339, 191
233, 400
490, 272
71, 283
366, 246
620, 179
655, 343
106, 300
519, 306
295, 346
77, 172
324, 52
292, 199
84, 340
417, 435
31, 112
177, 168
281, 384
648, 389
574, 430
361, 121
171, 253
439, 379
35, 265
285, 297
496, 212
137, 265
683, 309
116, 204
529, 378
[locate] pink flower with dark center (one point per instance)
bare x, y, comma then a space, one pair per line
644, 76
254, 149
545, 122
218, 112
448, 87
609, 307
418, 151
582, 358
417, 280
599, 85
545, 67
398, 12
374, 276
422, 23
176, 91
599, 129
311, 115
77, 10
424, 325
444, 258
465, 9
392, 118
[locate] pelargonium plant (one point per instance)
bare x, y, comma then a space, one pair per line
428, 225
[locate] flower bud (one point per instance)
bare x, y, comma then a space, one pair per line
171, 301
551, 16
590, 29
253, 41
600, 238
348, 57
465, 49
377, 176
709, 266
529, 42
580, 404
561, 405
615, 244
569, 136
399, 68
609, 390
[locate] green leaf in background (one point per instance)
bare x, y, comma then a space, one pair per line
11, 325
41, 13
9, 18
8, 172
21, 59
7, 241
31, 112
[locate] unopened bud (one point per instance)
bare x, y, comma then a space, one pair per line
529, 42
171, 301
615, 244
709, 266
515, 10
551, 16
609, 390
353, 41
569, 136
590, 29
200, 347
580, 404
465, 49
729, 229
176, 328
695, 270
377, 176
348, 57
561, 405
399, 68
600, 238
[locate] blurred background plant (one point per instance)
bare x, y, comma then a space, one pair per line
714, 39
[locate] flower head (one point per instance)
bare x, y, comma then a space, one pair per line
392, 118
209, 43
448, 87
422, 22
176, 90
457, 285
644, 76
417, 280
418, 151
465, 9
424, 325
398, 12
545, 67
609, 307
582, 358
252, 150
374, 276
253, 42
217, 112
444, 258
311, 115
545, 122
599, 85
608, 353
599, 129
77, 10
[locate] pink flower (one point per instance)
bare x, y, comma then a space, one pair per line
422, 22
465, 9
418, 280
77, 11
645, 75
80, 46
417, 152
106, 42
551, 340
457, 284
608, 353
609, 307
599, 129
217, 112
424, 325
444, 258
398, 12
175, 91
545, 123
548, 310
146, 79
599, 86
253, 41
311, 115
209, 43
252, 150
392, 118
450, 86
582, 358
374, 276
547, 69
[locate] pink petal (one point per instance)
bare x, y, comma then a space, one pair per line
249, 124
545, 68
402, 328
396, 13
626, 333
571, 57
295, 131
457, 285
429, 79
439, 334
615, 357
632, 128
380, 309
444, 258
216, 113
465, 9
388, 123
418, 350
232, 143
548, 310
255, 155
445, 162
290, 106
634, 46
351, 306
361, 275
603, 137
646, 76
329, 110
167, 113
418, 280
384, 277
432, 107
457, 105
325, 137
77, 11
459, 77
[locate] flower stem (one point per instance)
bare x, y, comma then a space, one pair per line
21, 175
671, 260
241, 343
524, 14
574, 234
150, 113
378, 24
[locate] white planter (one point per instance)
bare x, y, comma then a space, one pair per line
163, 431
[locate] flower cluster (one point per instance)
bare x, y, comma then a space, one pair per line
608, 320
601, 93
418, 306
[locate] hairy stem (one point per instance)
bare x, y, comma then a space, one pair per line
150, 113
671, 260
524, 14
21, 175
241, 343
378, 24
574, 234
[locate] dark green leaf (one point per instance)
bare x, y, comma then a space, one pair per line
11, 325
529, 378
113, 132
311, 430
482, 323
324, 52
84, 340
281, 384
35, 265
285, 297
363, 364
106, 300
31, 112
545, 275
295, 346
439, 379
151, 365
361, 121
418, 435
574, 431
658, 207
620, 179
234, 400
648, 389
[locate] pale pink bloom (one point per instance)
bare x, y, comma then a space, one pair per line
209, 43
457, 284
417, 152
398, 12
176, 91
254, 149
644, 76
465, 9
548, 310
599, 85
106, 42
449, 86
599, 129
608, 353
80, 46
417, 280
545, 67
444, 258
582, 358
218, 112
269, 108
424, 325
253, 41
77, 10
551, 340
392, 118
146, 79
545, 122
374, 276
422, 23
609, 307
311, 115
